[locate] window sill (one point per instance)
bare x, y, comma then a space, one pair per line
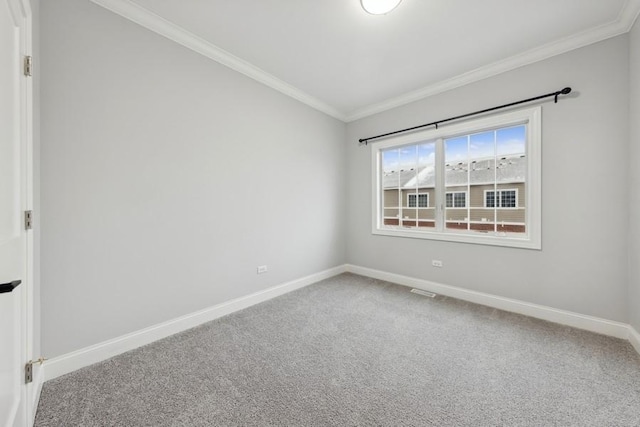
506, 240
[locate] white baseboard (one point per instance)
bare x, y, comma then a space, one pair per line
634, 338
96, 353
576, 320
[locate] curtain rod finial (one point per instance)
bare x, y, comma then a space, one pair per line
565, 91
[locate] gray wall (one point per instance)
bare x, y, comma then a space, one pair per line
634, 193
159, 168
583, 264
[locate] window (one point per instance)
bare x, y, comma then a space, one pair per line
456, 199
501, 198
474, 182
420, 200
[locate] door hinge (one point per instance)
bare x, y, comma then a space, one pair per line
28, 372
28, 220
27, 66
28, 369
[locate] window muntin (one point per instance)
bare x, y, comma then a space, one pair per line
483, 186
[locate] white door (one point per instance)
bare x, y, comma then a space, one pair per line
13, 238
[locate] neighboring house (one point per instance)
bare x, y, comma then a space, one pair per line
479, 195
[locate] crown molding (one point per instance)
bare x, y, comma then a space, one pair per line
621, 25
629, 14
141, 16
159, 25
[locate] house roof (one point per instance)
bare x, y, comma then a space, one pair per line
510, 169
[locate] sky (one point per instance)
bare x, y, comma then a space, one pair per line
501, 142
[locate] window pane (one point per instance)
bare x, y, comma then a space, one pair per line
425, 184
510, 141
478, 164
482, 173
408, 182
390, 161
456, 181
408, 173
490, 199
511, 172
482, 145
456, 161
408, 157
508, 199
390, 187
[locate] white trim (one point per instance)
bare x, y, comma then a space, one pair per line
78, 359
531, 239
634, 338
96, 353
33, 390
159, 25
629, 14
621, 25
576, 320
491, 222
22, 15
460, 236
38, 382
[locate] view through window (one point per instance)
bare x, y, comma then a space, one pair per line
474, 183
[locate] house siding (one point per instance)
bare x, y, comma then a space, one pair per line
476, 211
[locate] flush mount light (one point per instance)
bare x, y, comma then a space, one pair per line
379, 7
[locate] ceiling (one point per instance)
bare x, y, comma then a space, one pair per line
349, 64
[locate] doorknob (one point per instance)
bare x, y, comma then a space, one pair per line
8, 287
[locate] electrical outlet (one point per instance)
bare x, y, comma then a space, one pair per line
436, 263
262, 269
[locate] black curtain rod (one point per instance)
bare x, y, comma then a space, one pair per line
564, 91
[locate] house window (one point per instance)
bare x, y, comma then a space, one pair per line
501, 198
456, 199
473, 182
420, 200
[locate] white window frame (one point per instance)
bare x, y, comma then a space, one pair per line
501, 190
417, 206
529, 240
453, 200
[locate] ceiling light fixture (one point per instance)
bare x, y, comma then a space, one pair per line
379, 7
